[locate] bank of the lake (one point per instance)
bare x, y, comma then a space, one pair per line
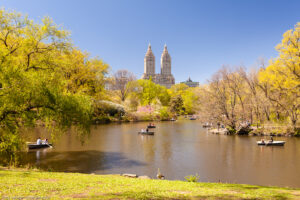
53, 185
283, 131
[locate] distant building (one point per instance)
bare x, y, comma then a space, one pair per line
165, 78
191, 83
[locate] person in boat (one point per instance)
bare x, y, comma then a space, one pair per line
46, 141
271, 139
39, 141
262, 141
147, 130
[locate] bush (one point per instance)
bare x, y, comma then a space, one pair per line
100, 119
231, 131
192, 178
164, 114
297, 132
108, 107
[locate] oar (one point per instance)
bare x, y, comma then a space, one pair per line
49, 145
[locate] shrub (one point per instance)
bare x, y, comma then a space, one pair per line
164, 114
192, 178
231, 130
297, 132
108, 107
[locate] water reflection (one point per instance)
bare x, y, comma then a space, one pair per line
82, 161
178, 148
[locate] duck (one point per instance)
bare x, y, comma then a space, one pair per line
159, 175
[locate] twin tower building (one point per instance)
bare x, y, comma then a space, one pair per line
165, 78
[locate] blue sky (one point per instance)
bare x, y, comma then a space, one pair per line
201, 35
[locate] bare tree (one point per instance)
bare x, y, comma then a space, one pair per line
122, 83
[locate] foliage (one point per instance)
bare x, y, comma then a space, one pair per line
268, 95
164, 113
176, 105
190, 97
149, 92
283, 76
83, 75
103, 110
37, 84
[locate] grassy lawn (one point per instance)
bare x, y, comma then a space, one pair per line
17, 184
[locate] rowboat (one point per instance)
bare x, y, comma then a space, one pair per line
270, 143
38, 146
206, 125
152, 126
146, 133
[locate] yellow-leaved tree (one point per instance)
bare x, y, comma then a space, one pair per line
283, 76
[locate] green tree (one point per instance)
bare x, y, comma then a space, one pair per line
176, 105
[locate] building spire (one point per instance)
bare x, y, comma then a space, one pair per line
149, 51
149, 62
165, 49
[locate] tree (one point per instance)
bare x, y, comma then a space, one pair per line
283, 76
33, 82
176, 105
83, 75
123, 83
149, 92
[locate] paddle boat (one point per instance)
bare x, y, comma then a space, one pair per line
270, 143
38, 146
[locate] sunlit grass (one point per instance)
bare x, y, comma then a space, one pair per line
23, 183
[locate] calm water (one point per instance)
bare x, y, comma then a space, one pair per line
179, 149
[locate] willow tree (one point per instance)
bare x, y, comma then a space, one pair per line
32, 81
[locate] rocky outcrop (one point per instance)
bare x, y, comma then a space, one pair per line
244, 130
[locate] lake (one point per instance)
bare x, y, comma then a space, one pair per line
178, 148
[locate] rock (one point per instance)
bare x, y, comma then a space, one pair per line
130, 175
144, 177
222, 131
244, 130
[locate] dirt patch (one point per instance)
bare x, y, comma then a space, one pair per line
296, 193
80, 195
181, 192
48, 180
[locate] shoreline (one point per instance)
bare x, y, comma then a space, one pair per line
261, 134
57, 185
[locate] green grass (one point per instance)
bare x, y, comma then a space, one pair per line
17, 184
